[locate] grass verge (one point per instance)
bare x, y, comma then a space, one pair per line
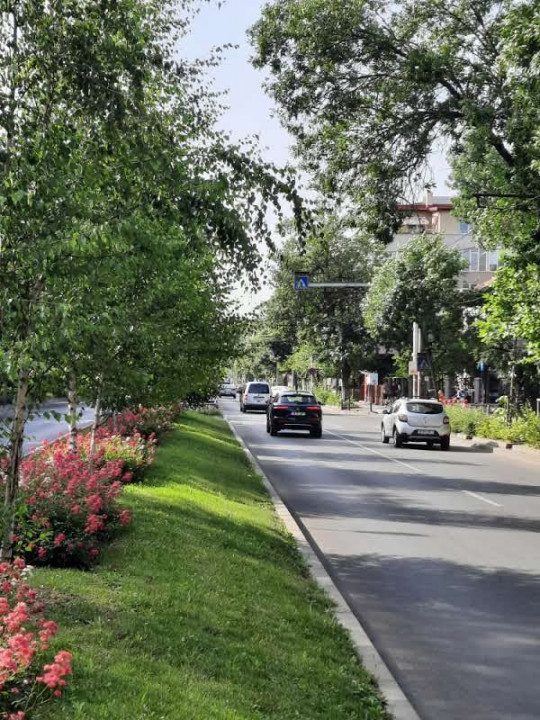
204, 609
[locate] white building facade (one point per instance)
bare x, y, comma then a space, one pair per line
434, 216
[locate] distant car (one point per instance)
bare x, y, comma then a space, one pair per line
296, 411
227, 390
256, 396
414, 420
277, 389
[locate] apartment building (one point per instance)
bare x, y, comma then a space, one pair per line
435, 216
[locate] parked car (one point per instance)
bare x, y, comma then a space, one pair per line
256, 396
227, 390
294, 410
414, 420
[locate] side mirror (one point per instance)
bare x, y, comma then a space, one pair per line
386, 411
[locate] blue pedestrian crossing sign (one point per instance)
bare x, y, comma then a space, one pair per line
422, 362
301, 281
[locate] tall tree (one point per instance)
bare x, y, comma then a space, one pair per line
420, 285
368, 87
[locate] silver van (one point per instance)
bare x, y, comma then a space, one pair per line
256, 396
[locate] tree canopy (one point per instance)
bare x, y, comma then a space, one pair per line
368, 87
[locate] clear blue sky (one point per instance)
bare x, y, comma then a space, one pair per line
250, 108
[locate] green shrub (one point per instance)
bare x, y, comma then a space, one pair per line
524, 429
326, 396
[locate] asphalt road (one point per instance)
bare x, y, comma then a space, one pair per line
437, 553
40, 428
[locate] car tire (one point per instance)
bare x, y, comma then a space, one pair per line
384, 436
445, 443
273, 430
267, 425
242, 409
317, 433
430, 443
398, 440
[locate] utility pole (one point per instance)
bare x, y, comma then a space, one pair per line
417, 348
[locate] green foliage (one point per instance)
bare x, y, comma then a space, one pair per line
323, 328
419, 285
326, 396
512, 310
368, 87
525, 428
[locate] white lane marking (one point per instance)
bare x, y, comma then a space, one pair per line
479, 497
376, 452
411, 467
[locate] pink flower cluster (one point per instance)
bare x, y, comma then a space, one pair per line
25, 635
70, 506
148, 422
69, 501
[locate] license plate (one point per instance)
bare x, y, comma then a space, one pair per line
428, 432
298, 414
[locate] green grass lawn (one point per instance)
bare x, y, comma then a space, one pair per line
204, 608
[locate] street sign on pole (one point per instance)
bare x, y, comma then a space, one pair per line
422, 361
301, 281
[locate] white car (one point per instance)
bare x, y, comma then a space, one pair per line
256, 396
227, 390
416, 420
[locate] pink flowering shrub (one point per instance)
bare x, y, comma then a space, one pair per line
135, 452
25, 679
67, 507
148, 422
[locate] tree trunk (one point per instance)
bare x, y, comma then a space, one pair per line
13, 470
72, 400
345, 378
95, 424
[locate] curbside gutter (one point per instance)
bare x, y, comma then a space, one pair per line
397, 702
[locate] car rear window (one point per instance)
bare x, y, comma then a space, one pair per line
255, 388
424, 408
296, 399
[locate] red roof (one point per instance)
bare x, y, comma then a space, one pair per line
423, 207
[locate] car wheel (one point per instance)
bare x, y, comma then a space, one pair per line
316, 433
273, 430
242, 409
445, 443
267, 424
384, 436
398, 440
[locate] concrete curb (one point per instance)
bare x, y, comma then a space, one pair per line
398, 704
498, 446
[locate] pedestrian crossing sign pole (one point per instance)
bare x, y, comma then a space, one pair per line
301, 281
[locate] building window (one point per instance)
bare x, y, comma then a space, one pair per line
493, 260
464, 227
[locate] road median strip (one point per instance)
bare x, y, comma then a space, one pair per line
205, 608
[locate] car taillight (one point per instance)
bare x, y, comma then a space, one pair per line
314, 407
403, 418
446, 420
281, 407
245, 398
